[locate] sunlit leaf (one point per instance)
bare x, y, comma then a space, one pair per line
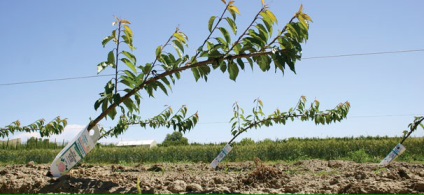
210, 23
181, 37
232, 25
129, 64
128, 31
178, 47
125, 22
224, 1
106, 40
111, 59
158, 51
226, 35
271, 16
234, 10
301, 8
101, 66
130, 56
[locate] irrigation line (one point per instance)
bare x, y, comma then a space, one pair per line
306, 58
52, 80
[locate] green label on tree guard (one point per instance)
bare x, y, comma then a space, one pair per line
221, 156
74, 152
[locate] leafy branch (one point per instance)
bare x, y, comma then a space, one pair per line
413, 126
219, 52
242, 123
167, 118
56, 126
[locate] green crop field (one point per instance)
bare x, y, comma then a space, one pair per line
364, 149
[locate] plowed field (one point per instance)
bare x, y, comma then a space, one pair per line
310, 176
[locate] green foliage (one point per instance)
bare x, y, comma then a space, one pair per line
412, 127
246, 141
56, 126
122, 95
256, 45
242, 123
359, 156
175, 139
294, 149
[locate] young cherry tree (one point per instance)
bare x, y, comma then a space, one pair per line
225, 48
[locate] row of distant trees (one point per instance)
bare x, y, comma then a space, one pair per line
177, 139
32, 142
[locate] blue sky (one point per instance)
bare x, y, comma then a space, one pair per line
52, 40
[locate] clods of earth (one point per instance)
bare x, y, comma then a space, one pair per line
304, 177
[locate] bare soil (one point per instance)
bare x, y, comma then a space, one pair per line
310, 176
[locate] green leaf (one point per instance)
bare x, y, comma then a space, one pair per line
278, 62
111, 59
222, 43
166, 81
233, 70
161, 86
147, 68
116, 98
128, 31
181, 37
128, 40
105, 104
240, 63
158, 52
223, 67
210, 23
250, 62
112, 113
271, 16
179, 45
129, 64
262, 29
129, 104
101, 66
106, 40
263, 62
149, 90
234, 10
226, 35
266, 18
178, 49
237, 48
130, 56
269, 27
204, 71
291, 65
196, 73
232, 25
97, 104
128, 82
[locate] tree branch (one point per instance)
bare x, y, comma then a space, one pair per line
413, 128
210, 34
168, 73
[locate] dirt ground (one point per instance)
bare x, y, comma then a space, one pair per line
310, 176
